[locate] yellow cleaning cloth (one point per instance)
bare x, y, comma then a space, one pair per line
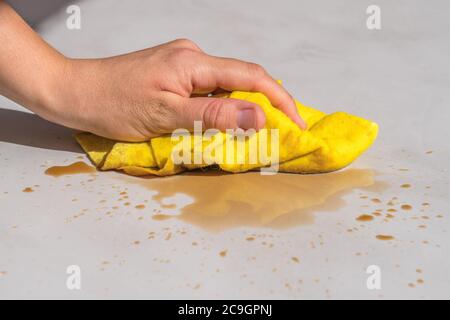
331, 142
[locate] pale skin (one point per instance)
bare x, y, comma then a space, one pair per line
135, 96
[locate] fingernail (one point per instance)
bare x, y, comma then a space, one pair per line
302, 123
298, 119
246, 119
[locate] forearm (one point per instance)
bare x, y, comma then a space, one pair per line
136, 96
30, 69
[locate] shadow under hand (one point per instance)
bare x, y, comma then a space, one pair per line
28, 129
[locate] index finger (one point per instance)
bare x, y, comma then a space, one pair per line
232, 74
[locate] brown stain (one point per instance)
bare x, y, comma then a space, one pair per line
384, 237
364, 217
295, 259
28, 190
140, 206
161, 217
406, 207
197, 286
375, 200
169, 206
223, 253
405, 185
78, 167
378, 186
224, 201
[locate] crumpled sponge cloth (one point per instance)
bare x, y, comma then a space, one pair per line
331, 142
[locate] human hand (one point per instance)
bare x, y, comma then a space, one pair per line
143, 94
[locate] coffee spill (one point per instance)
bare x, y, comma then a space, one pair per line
224, 201
406, 207
377, 186
78, 167
384, 237
161, 217
169, 206
28, 189
365, 217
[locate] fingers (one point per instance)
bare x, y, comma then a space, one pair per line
217, 113
231, 74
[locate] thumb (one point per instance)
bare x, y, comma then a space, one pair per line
220, 113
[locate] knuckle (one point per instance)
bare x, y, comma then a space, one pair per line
186, 43
256, 69
215, 116
179, 55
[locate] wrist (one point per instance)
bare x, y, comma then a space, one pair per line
47, 99
65, 93
71, 92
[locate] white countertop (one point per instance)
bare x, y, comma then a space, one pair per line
285, 237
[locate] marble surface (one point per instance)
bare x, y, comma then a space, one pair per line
293, 247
